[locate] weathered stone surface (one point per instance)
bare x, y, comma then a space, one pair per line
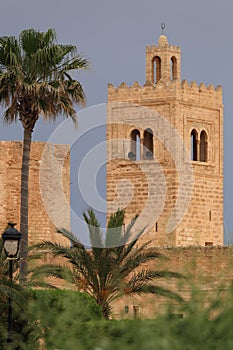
49, 180
208, 272
170, 184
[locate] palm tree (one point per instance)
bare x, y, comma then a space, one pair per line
35, 80
113, 266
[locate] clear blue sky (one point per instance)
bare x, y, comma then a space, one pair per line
114, 34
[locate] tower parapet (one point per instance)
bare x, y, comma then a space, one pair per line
207, 94
184, 90
163, 80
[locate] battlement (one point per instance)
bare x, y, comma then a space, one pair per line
202, 87
208, 94
171, 48
174, 89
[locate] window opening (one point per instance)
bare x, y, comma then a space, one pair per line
148, 144
173, 68
203, 146
135, 312
156, 69
209, 244
134, 153
193, 146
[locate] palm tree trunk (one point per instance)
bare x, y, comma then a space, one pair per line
106, 310
23, 272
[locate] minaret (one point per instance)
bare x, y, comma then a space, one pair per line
173, 128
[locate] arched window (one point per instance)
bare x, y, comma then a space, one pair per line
203, 146
134, 153
173, 68
148, 144
156, 69
193, 145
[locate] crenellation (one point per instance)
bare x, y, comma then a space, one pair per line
169, 48
136, 85
123, 85
194, 86
189, 91
211, 87
151, 48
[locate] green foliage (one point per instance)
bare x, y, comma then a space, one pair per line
45, 314
58, 313
35, 77
206, 328
70, 320
24, 333
48, 304
114, 266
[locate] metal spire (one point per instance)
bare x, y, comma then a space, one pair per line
163, 27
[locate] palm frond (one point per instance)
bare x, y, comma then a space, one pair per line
137, 260
40, 284
39, 275
149, 274
95, 234
157, 290
69, 235
36, 59
10, 53
115, 229
108, 270
12, 290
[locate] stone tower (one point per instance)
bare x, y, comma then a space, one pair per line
165, 153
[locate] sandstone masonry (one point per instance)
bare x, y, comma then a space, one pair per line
165, 153
49, 189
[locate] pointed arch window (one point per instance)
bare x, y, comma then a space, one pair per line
156, 69
134, 153
173, 68
148, 145
203, 146
193, 145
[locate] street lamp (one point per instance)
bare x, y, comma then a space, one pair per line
11, 239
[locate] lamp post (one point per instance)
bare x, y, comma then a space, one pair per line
11, 238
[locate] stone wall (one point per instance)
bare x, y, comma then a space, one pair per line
208, 272
49, 188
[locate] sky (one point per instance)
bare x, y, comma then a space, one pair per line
113, 36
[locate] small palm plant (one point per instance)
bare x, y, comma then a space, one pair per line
114, 266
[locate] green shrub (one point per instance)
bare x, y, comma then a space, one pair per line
70, 320
45, 314
206, 328
57, 311
56, 301
24, 332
